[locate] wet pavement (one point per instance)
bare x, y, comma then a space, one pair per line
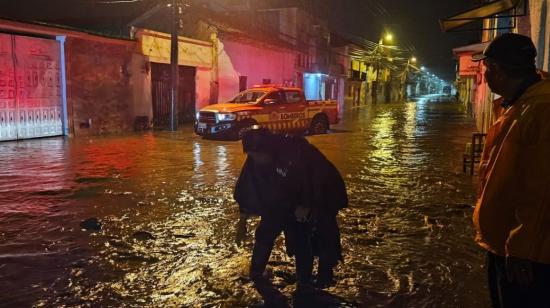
164, 201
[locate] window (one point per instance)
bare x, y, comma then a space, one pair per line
243, 83
275, 96
266, 81
293, 97
248, 97
299, 80
355, 75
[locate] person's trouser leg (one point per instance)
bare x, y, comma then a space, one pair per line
327, 237
505, 294
267, 231
325, 273
304, 254
539, 292
510, 294
493, 280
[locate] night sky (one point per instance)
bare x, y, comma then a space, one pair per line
414, 23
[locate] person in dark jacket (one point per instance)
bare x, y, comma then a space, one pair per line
327, 195
305, 182
274, 187
330, 196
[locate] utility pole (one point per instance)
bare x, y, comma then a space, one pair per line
174, 68
388, 37
377, 83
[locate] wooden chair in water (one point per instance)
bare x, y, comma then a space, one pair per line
472, 153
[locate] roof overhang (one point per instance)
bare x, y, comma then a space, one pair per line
470, 49
49, 30
485, 10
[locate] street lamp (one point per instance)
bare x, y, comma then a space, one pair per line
413, 60
388, 39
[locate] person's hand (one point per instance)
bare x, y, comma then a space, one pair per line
519, 270
302, 214
240, 234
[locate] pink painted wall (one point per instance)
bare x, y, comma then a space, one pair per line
256, 62
467, 67
482, 102
202, 87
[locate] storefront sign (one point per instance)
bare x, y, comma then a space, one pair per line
190, 52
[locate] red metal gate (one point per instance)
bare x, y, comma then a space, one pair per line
30, 88
160, 74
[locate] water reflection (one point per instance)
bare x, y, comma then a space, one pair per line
197, 158
221, 161
165, 202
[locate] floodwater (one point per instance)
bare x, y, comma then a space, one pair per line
165, 204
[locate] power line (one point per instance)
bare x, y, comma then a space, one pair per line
366, 51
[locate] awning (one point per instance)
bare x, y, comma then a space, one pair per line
484, 11
466, 67
470, 49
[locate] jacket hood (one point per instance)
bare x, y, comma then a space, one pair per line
229, 107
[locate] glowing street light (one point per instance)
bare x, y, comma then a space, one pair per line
413, 59
387, 39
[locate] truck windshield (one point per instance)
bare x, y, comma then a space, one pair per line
248, 97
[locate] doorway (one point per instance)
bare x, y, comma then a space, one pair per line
185, 107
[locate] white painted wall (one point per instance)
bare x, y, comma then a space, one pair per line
140, 80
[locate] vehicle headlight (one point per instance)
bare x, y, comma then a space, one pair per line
226, 117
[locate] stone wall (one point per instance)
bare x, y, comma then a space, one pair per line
100, 86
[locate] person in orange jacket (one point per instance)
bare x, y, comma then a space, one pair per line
512, 213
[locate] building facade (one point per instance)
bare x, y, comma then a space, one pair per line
75, 83
526, 17
64, 82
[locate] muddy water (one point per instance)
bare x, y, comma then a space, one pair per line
164, 202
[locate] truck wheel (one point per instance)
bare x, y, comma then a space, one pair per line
318, 126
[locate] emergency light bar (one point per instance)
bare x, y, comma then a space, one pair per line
268, 85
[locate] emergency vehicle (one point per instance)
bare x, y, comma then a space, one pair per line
280, 109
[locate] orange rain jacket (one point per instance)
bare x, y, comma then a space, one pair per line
512, 214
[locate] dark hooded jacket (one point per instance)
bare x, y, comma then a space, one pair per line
311, 181
328, 195
279, 186
327, 186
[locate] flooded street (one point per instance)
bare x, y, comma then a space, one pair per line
165, 205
